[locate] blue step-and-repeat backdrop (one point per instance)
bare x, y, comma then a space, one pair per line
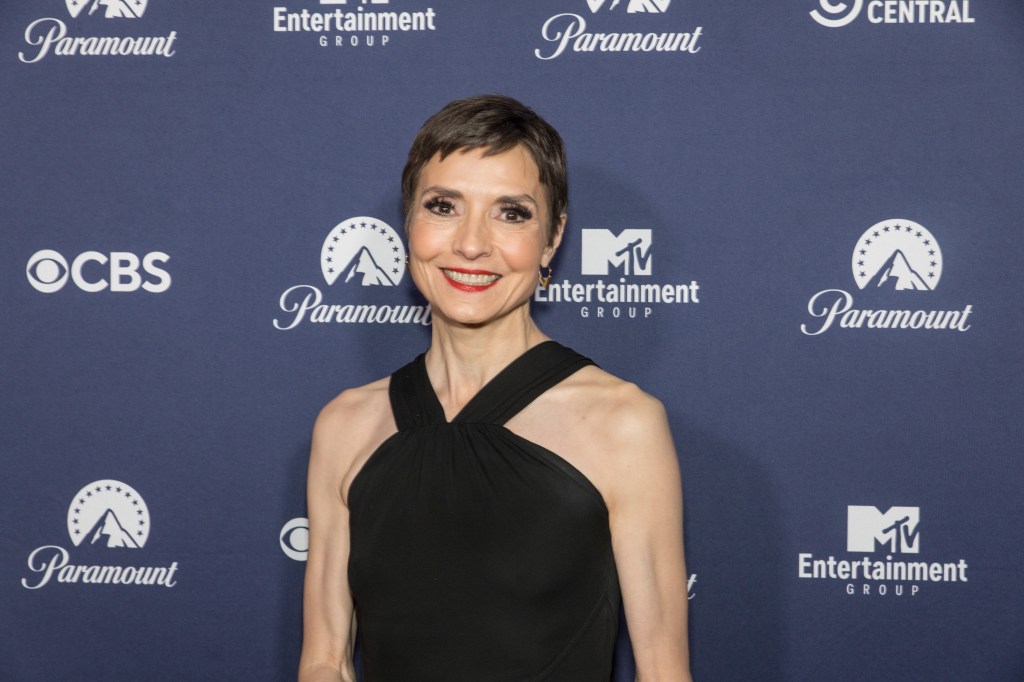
798, 224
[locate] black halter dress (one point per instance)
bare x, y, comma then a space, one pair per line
477, 555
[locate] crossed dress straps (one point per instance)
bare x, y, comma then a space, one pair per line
414, 402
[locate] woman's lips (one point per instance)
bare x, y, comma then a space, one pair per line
470, 280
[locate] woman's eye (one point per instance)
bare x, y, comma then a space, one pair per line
440, 206
515, 214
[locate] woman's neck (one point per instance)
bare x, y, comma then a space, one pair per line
461, 359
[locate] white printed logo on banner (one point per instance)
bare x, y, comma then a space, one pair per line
890, 258
895, 531
50, 36
48, 271
359, 24
106, 518
839, 14
652, 6
108, 514
622, 256
893, 565
629, 252
294, 538
363, 251
111, 9
897, 255
568, 32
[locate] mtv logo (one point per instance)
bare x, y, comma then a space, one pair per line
628, 252
868, 530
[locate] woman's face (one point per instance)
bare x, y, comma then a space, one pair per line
477, 234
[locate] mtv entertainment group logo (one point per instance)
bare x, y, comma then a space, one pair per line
881, 534
867, 529
630, 251
567, 32
49, 35
838, 14
893, 260
360, 252
360, 24
104, 515
624, 256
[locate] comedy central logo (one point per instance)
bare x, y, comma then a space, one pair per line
111, 9
359, 255
839, 14
894, 260
626, 259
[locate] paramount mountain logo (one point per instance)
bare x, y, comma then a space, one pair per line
568, 32
357, 247
106, 515
109, 513
111, 9
899, 256
358, 252
50, 35
653, 6
882, 536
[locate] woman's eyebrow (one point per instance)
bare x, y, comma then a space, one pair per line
442, 192
517, 199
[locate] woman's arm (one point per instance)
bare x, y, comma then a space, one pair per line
328, 617
646, 517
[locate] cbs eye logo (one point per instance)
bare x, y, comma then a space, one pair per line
48, 271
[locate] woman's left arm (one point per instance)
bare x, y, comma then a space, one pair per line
646, 518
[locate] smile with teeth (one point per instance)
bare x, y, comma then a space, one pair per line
470, 279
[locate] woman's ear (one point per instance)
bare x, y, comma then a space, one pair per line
556, 240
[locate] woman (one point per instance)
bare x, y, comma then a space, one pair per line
440, 517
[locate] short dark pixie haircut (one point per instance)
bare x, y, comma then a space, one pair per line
495, 123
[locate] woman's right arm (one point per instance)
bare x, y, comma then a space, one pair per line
328, 615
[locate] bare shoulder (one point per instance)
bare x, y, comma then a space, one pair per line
616, 434
604, 395
348, 430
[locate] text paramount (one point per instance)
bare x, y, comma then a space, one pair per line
564, 30
49, 33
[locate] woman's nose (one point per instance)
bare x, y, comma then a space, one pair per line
473, 238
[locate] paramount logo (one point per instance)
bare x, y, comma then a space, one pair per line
104, 515
898, 256
359, 252
49, 35
569, 32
